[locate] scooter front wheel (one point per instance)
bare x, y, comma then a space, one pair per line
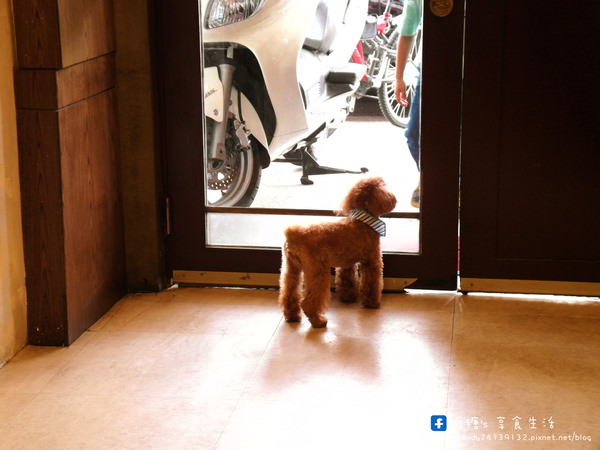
234, 181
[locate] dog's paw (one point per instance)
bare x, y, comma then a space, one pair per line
292, 318
318, 321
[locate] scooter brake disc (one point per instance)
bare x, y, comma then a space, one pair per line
221, 177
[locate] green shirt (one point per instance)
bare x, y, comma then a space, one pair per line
413, 13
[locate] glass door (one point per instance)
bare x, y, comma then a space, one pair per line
296, 103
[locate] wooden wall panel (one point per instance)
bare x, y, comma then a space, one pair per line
53, 89
53, 34
68, 150
43, 234
92, 221
37, 34
72, 220
36, 89
86, 29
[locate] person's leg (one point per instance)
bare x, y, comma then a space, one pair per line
413, 138
413, 130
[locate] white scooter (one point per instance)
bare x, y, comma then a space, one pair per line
277, 78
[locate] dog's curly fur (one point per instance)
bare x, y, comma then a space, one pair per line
350, 246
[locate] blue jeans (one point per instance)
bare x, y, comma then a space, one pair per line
413, 130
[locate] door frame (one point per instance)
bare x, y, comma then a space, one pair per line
179, 80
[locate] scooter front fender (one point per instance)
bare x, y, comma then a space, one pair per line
213, 101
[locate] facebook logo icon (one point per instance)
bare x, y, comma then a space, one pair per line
439, 423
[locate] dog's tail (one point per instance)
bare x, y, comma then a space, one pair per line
294, 232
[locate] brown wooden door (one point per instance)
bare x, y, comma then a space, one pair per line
530, 150
180, 104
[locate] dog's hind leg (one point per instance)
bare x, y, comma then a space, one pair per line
371, 284
290, 286
346, 283
316, 295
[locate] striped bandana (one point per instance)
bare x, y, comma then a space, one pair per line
366, 218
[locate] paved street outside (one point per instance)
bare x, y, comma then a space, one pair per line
366, 139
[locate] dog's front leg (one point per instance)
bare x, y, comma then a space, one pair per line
371, 284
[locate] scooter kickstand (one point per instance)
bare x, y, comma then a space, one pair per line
310, 166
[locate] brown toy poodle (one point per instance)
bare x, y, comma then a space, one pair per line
351, 245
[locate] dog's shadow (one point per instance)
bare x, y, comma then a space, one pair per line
345, 344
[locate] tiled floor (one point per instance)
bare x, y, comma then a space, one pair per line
219, 369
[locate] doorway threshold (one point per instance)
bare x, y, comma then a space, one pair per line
259, 280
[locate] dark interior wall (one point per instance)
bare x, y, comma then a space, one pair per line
68, 159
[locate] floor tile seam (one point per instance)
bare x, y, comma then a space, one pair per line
23, 411
31, 397
568, 347
152, 363
451, 352
455, 307
558, 315
109, 315
247, 382
9, 390
65, 361
539, 342
126, 398
174, 332
13, 366
78, 364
